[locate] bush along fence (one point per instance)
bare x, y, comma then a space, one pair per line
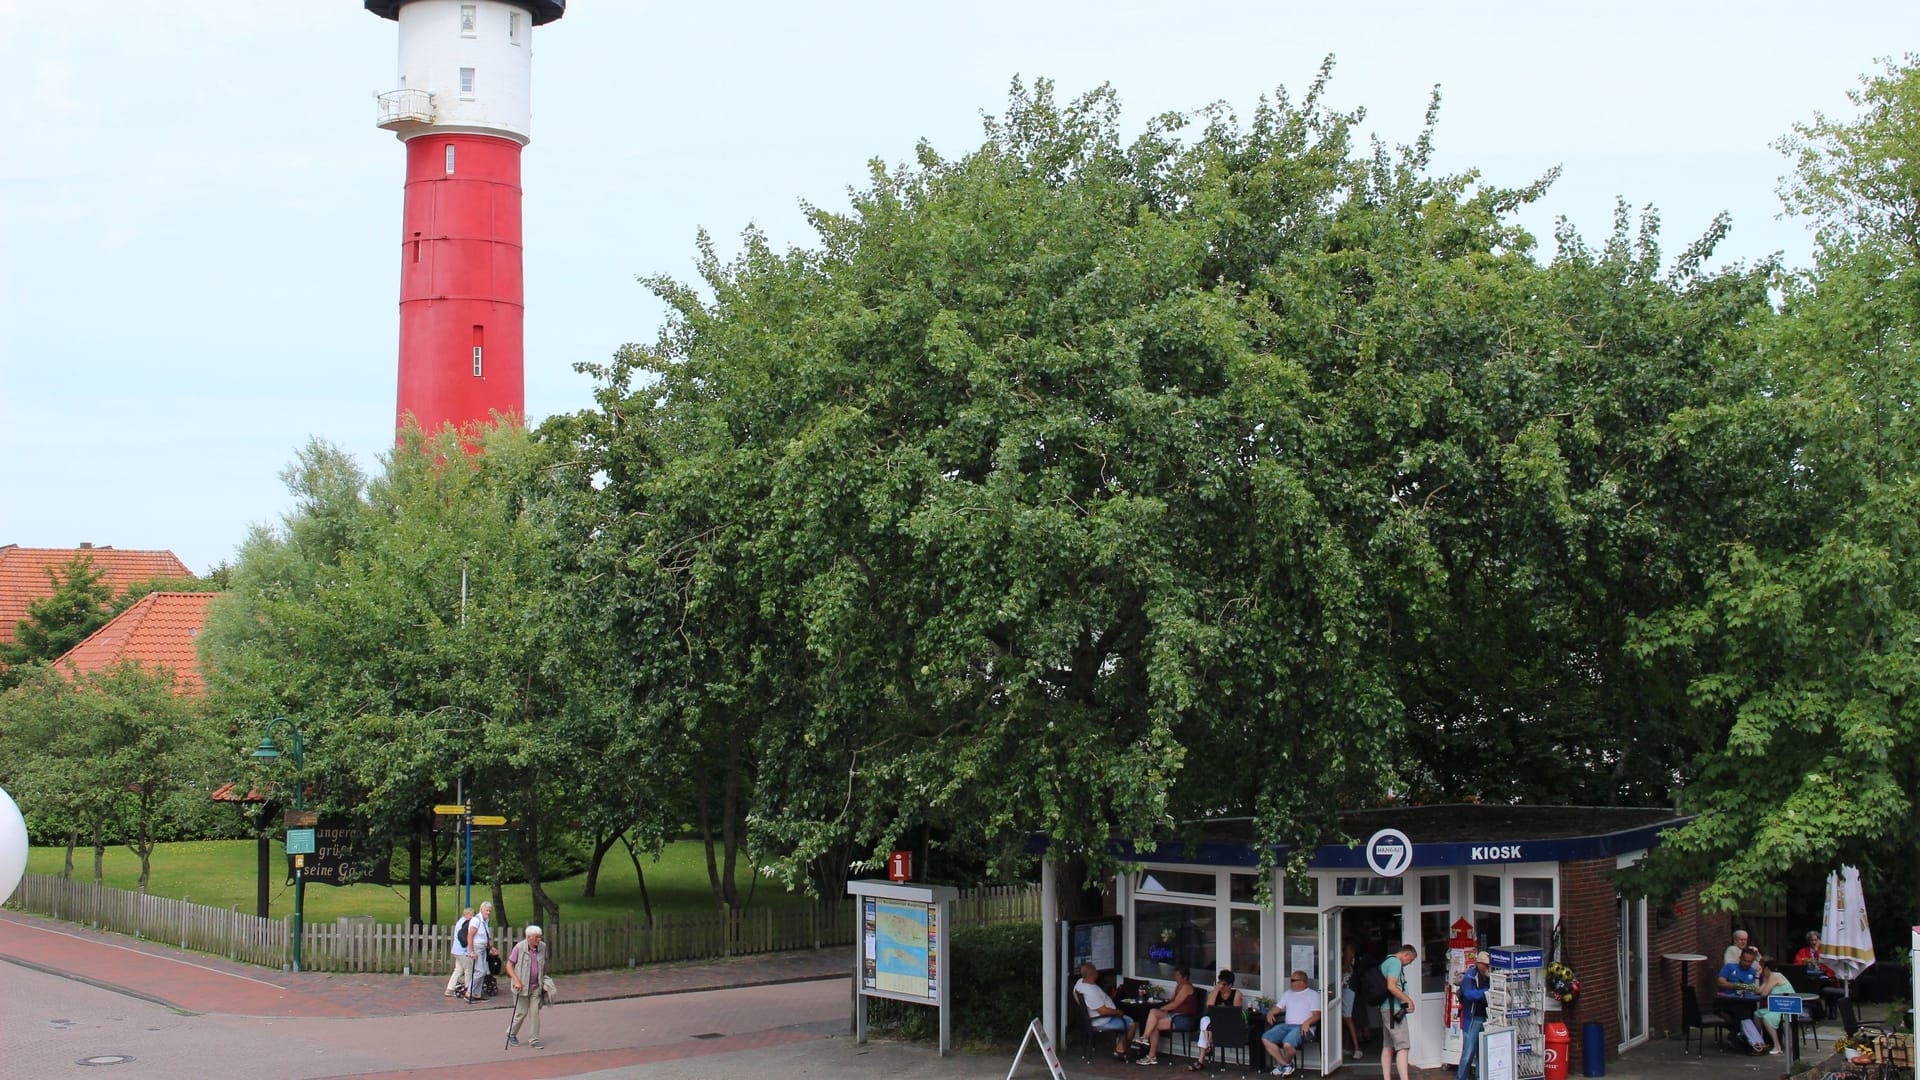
361, 944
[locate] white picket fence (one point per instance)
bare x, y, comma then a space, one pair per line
363, 945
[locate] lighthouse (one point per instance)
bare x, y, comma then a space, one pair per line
463, 108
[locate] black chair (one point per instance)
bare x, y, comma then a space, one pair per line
1850, 1020
1079, 1029
1227, 1027
1691, 1018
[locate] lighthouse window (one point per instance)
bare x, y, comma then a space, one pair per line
468, 17
449, 159
466, 81
513, 27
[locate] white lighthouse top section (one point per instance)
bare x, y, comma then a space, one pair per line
465, 66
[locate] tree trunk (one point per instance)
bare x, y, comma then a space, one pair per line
433, 875
413, 873
99, 855
602, 844
646, 903
546, 910
499, 897
73, 841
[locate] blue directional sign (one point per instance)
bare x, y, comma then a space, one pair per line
1785, 1005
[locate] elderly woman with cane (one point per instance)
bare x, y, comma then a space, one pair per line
527, 968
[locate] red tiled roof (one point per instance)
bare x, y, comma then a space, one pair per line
23, 574
162, 630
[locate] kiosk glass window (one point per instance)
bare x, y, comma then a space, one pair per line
1369, 886
1244, 888
1177, 881
1167, 935
1244, 954
1304, 893
1533, 928
1300, 948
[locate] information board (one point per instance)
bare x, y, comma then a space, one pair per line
902, 931
1097, 940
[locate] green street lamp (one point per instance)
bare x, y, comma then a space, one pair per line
268, 751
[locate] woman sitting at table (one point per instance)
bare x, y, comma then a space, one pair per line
1223, 993
1771, 982
1809, 957
1180, 1013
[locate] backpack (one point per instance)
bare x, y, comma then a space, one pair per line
1370, 986
462, 932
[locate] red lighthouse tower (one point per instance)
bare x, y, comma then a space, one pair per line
464, 110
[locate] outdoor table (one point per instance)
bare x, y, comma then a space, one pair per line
1684, 959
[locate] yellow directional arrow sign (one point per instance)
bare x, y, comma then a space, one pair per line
451, 810
489, 819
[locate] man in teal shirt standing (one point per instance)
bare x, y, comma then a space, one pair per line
1395, 1040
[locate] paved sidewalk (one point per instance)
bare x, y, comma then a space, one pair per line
783, 1015
199, 983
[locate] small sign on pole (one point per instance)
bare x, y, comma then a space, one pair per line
900, 866
1785, 1005
300, 842
488, 819
451, 810
302, 819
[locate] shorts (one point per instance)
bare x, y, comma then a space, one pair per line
1286, 1034
1108, 1023
1395, 1036
1346, 1002
1184, 1021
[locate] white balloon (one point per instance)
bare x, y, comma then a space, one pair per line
13, 846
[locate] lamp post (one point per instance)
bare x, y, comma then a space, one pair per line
270, 752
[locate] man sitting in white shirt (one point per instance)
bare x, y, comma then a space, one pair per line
1102, 1014
1293, 1017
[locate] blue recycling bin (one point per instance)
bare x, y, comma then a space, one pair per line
1593, 1050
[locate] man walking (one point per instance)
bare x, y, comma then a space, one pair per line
526, 966
462, 959
1473, 999
479, 945
1395, 1039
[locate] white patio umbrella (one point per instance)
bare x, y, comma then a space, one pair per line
1846, 943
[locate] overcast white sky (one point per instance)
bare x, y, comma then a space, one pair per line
199, 221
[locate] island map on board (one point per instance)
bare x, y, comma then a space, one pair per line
901, 933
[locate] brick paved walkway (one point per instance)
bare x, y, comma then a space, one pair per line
198, 983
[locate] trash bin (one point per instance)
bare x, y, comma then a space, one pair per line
1558, 1040
1593, 1049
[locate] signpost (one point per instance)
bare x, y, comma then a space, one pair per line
300, 841
468, 822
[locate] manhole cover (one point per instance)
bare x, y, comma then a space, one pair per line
105, 1059
709, 1035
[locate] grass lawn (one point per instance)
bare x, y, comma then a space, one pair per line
221, 873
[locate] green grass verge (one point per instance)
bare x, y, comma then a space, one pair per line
221, 873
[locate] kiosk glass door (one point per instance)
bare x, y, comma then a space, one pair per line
1332, 1030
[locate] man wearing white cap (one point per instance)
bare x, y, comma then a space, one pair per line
526, 967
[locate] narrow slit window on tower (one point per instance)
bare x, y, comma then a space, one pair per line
466, 82
513, 27
479, 347
449, 159
416, 251
469, 16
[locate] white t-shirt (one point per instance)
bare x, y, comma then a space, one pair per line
1732, 954
1298, 1006
1094, 997
458, 949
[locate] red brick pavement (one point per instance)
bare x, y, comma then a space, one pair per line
199, 983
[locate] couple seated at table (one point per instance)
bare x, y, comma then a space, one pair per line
1742, 987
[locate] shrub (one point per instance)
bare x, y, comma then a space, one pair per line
996, 988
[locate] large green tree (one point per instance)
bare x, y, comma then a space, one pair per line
1806, 635
416, 626
1090, 487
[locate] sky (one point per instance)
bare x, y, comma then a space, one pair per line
199, 263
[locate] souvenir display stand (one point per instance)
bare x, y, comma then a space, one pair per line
1517, 999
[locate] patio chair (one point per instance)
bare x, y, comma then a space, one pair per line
1691, 1018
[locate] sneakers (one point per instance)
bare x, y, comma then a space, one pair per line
513, 1040
537, 1045
1148, 1061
